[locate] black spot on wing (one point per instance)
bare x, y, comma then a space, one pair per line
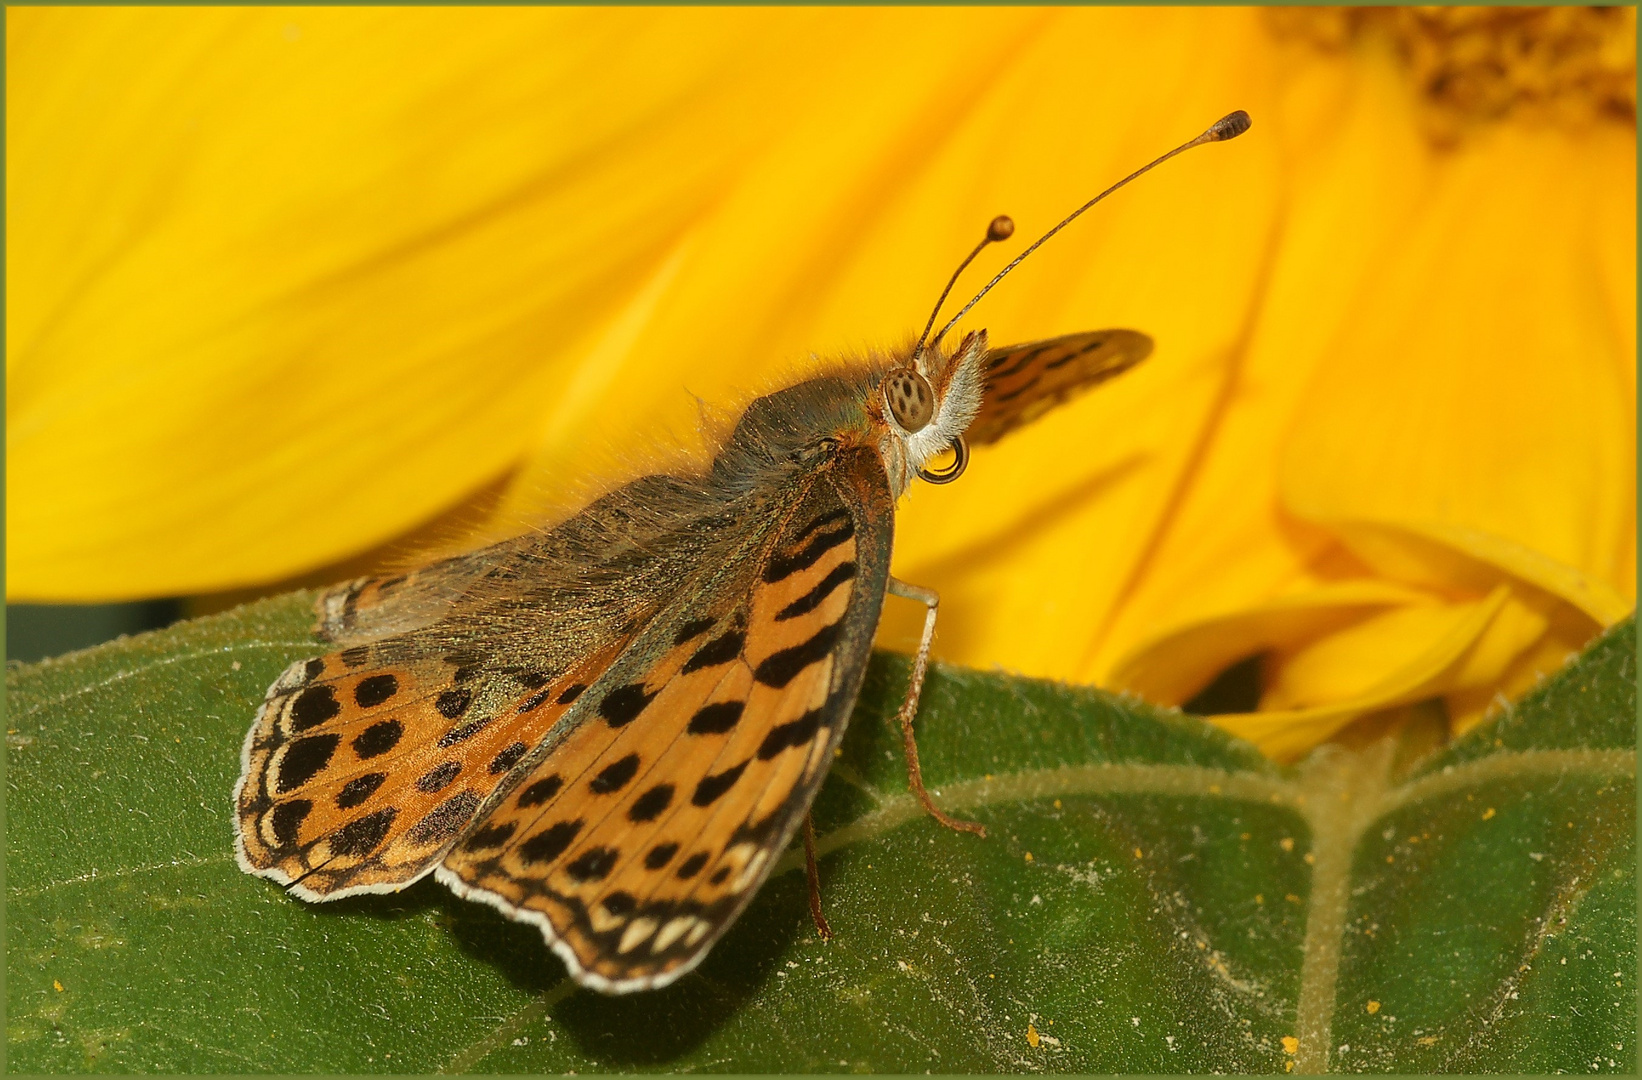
508, 758
379, 738
447, 819
374, 690
539, 792
650, 805
720, 650
693, 629
463, 733
716, 719
713, 787
594, 864
780, 668
363, 836
490, 836
453, 703
794, 733
659, 856
305, 758
784, 566
692, 866
571, 693
549, 844
439, 777
622, 705
287, 821
614, 777
314, 706
619, 903
359, 789
813, 599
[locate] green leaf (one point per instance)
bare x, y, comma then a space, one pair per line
1153, 896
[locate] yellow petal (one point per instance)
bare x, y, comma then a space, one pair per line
1396, 658
1486, 406
283, 283
1381, 659
1232, 575
1176, 665
1036, 546
1152, 505
964, 118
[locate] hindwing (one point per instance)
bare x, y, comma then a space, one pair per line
357, 776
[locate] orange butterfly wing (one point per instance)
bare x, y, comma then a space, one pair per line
1025, 381
635, 840
698, 727
362, 766
356, 779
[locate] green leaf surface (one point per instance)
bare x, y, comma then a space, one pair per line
1153, 896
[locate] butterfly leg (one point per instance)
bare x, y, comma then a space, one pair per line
813, 877
909, 708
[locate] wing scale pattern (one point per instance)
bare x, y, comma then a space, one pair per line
358, 780
636, 842
1025, 381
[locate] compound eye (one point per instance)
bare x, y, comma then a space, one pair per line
910, 399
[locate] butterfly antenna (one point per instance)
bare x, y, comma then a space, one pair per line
1001, 228
1227, 127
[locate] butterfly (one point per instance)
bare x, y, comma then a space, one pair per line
613, 728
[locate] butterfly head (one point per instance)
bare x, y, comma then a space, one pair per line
926, 404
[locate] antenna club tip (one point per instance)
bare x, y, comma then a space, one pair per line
1230, 126
1001, 228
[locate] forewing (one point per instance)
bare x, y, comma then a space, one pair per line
635, 840
1025, 381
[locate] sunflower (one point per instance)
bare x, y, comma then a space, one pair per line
294, 291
